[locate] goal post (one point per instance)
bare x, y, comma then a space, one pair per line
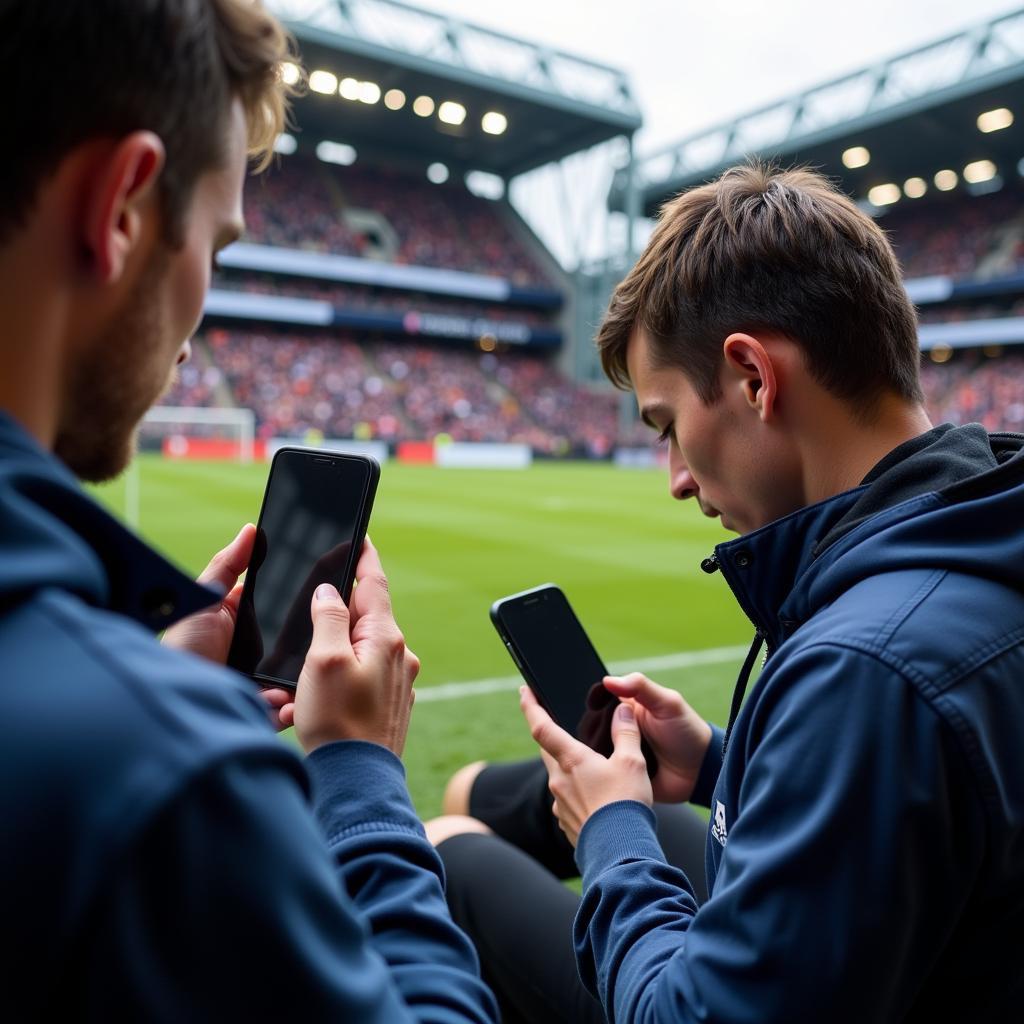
175, 427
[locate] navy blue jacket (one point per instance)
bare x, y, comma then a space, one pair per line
866, 843
165, 856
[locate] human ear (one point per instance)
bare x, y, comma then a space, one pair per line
116, 198
754, 372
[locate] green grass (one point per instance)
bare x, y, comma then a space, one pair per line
453, 540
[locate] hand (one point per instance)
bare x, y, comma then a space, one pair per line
675, 732
580, 779
357, 680
208, 633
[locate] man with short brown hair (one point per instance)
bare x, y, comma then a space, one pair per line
166, 857
865, 853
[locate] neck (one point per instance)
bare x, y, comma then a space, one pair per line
31, 352
842, 450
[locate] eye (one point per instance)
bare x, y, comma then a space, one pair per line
663, 437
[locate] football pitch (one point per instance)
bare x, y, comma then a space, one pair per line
453, 540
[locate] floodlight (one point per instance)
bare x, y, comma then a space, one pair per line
914, 188
423, 106
336, 153
946, 180
884, 195
995, 120
980, 170
437, 173
485, 184
451, 112
323, 82
494, 123
369, 92
941, 354
285, 144
348, 89
856, 156
290, 73
394, 99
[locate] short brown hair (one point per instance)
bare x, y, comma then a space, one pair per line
86, 69
769, 249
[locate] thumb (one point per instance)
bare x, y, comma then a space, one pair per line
330, 623
625, 732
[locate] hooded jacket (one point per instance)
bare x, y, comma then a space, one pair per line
866, 844
165, 856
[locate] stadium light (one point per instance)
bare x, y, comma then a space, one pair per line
369, 92
946, 180
348, 89
914, 188
323, 82
290, 73
423, 106
856, 156
485, 185
488, 343
451, 112
285, 144
336, 153
494, 123
437, 173
978, 171
884, 195
941, 354
995, 120
394, 99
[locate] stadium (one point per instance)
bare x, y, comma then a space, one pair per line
754, 400
389, 298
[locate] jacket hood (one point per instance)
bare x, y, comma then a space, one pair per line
53, 535
974, 526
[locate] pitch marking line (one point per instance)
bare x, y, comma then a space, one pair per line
500, 684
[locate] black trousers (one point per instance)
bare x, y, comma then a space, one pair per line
506, 892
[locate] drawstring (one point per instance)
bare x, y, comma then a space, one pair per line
741, 686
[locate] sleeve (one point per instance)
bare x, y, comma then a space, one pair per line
856, 842
710, 768
232, 908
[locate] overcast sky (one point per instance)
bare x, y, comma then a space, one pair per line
693, 65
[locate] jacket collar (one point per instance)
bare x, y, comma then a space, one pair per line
56, 536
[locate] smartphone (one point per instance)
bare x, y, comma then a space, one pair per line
310, 531
560, 664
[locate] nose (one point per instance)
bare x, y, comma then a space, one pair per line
185, 353
681, 483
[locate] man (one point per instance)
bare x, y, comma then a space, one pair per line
865, 854
166, 857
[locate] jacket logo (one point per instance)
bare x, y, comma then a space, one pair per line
718, 829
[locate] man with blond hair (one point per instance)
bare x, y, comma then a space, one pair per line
865, 850
165, 856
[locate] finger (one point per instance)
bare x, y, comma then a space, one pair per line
371, 594
625, 735
332, 645
286, 715
277, 697
229, 563
551, 738
233, 599
659, 700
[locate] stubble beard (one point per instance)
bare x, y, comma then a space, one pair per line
124, 372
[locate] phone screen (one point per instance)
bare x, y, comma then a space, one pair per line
310, 531
559, 662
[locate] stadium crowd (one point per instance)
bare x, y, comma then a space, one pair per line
304, 203
399, 390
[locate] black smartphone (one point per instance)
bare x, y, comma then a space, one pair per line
310, 531
560, 664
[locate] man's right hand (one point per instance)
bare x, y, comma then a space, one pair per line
675, 732
356, 683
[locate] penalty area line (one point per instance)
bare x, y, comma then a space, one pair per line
500, 684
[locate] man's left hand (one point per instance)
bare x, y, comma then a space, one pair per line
580, 779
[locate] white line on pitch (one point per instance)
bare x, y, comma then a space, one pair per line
498, 684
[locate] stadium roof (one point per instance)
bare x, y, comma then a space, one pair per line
553, 104
914, 115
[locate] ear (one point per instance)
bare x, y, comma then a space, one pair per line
754, 371
117, 198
